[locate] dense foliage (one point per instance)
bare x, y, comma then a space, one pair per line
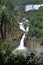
12, 17
18, 2
36, 23
19, 59
7, 9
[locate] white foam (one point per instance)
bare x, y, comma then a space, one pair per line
32, 7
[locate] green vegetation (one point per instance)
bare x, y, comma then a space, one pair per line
28, 1
19, 2
11, 17
9, 24
36, 23
10, 33
10, 59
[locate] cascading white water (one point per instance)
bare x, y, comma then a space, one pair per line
21, 26
21, 46
22, 41
32, 7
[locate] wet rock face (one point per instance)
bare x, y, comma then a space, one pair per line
25, 26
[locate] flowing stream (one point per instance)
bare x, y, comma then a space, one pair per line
21, 26
21, 46
25, 30
32, 7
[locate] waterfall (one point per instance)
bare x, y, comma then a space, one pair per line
21, 26
32, 7
21, 46
22, 41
